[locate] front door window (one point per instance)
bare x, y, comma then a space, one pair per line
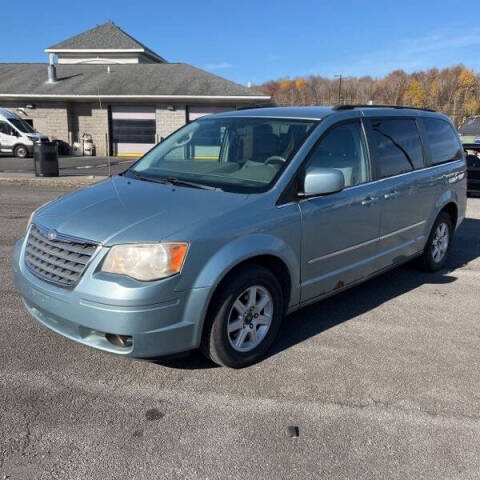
343, 148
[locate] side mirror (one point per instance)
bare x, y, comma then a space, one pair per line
322, 181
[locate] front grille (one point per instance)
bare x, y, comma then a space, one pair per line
59, 259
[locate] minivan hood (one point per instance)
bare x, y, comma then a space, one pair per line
124, 210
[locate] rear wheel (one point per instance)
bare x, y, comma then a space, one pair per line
20, 151
244, 318
438, 245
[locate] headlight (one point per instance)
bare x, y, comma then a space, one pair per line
146, 262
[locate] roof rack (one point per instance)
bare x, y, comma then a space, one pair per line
350, 107
257, 105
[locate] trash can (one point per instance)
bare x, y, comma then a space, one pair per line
45, 159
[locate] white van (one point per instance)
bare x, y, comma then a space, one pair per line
16, 135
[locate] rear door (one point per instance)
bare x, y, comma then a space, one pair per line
339, 231
406, 191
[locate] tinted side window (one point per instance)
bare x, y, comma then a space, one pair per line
443, 141
343, 148
398, 145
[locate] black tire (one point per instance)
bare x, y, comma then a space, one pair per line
426, 261
216, 340
20, 151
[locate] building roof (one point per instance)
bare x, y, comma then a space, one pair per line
471, 126
105, 37
149, 80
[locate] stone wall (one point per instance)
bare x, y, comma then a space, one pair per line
90, 118
167, 120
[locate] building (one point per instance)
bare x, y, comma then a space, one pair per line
106, 83
470, 130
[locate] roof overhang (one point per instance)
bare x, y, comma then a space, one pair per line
105, 50
172, 98
94, 50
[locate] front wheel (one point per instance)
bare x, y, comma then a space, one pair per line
438, 245
20, 151
244, 318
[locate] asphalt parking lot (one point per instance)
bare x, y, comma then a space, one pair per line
70, 166
382, 381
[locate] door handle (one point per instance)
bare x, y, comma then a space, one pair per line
368, 201
392, 194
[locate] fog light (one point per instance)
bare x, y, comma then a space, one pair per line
122, 341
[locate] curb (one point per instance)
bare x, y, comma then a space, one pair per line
29, 179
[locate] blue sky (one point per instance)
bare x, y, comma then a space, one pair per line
260, 40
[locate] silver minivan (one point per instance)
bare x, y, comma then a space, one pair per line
238, 219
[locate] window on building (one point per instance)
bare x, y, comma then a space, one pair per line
133, 131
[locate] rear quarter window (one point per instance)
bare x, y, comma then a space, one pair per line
442, 139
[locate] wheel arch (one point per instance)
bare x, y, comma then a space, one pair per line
447, 202
452, 209
271, 262
260, 249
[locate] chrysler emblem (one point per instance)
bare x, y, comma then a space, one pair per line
52, 235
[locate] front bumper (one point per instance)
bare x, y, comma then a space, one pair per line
159, 319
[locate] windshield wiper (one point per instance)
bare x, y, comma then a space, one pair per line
175, 181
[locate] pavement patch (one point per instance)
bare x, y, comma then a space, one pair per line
153, 414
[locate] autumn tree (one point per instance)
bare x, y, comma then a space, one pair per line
454, 91
414, 94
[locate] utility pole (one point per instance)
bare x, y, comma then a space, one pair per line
339, 76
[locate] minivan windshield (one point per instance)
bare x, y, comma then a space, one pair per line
236, 154
20, 125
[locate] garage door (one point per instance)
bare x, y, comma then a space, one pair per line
133, 129
195, 112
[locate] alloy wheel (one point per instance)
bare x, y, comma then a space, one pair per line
440, 242
250, 318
